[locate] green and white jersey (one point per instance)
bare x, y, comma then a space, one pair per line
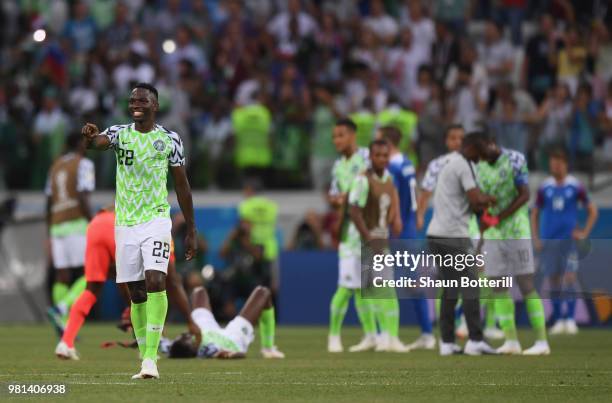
501, 180
142, 171
344, 172
216, 340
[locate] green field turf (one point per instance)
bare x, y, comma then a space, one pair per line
580, 369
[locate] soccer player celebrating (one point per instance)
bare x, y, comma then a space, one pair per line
144, 150
71, 179
353, 161
403, 174
557, 203
505, 227
374, 207
232, 341
99, 257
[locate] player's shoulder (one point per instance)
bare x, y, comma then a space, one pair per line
364, 153
172, 134
516, 158
572, 181
548, 182
117, 128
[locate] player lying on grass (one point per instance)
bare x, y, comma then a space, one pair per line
507, 247
233, 340
557, 204
99, 258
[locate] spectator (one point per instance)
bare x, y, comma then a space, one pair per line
48, 137
280, 26
262, 214
453, 13
185, 49
540, 59
571, 59
251, 128
583, 128
323, 153
513, 11
422, 90
423, 29
403, 62
136, 69
309, 234
509, 129
81, 29
496, 54
118, 35
380, 23
368, 52
432, 122
245, 268
606, 124
468, 101
555, 112
445, 51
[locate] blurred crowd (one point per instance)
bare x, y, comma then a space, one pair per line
254, 87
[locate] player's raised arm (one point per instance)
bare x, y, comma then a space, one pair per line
183, 194
94, 139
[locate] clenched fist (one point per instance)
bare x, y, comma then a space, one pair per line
90, 131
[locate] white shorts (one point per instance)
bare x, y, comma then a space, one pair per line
508, 257
142, 247
349, 272
68, 251
238, 330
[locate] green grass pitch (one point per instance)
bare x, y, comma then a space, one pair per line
579, 369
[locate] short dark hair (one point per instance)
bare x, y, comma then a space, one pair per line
378, 143
391, 134
450, 128
74, 141
558, 153
181, 349
478, 139
348, 123
149, 87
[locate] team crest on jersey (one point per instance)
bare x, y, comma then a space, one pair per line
502, 173
159, 145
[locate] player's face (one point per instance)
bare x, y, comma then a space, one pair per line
558, 167
142, 105
379, 155
342, 138
454, 139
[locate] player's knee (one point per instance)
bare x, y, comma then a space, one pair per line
138, 295
156, 281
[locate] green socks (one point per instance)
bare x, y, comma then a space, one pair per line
365, 312
267, 324
504, 308
390, 311
138, 314
535, 310
157, 307
338, 307
74, 292
487, 302
58, 292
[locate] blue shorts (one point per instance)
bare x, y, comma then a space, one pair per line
558, 256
